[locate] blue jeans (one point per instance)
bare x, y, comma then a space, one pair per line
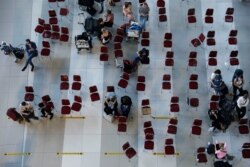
143, 20
29, 60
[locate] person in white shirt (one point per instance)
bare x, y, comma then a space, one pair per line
27, 111
242, 104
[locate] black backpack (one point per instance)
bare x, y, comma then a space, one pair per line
237, 73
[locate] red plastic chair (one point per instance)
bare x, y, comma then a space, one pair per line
110, 89
174, 108
29, 94
117, 46
161, 10
145, 42
166, 77
173, 121
64, 38
39, 29
169, 141
201, 158
46, 44
55, 36
118, 38
172, 129
64, 30
212, 62
52, 13
168, 36
55, 28
174, 99
41, 21
64, 85
94, 95
122, 124
120, 31
45, 52
149, 145
196, 130
53, 20
191, 11
118, 53
198, 41
169, 150
212, 54
160, 3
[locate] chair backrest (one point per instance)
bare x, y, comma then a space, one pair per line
202, 37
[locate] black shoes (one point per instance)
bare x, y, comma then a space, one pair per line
23, 69
32, 68
51, 116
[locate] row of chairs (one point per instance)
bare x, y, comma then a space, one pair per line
67, 108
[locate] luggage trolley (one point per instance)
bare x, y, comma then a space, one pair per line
82, 41
134, 31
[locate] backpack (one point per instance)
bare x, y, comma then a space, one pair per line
217, 81
89, 25
211, 149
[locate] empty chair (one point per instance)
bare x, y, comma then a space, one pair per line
173, 121
118, 38
120, 31
46, 44
129, 151
45, 52
77, 104
229, 15
212, 54
94, 95
234, 53
122, 124
148, 144
169, 150
123, 82
161, 10
55, 35
212, 62
201, 158
209, 16
160, 3
55, 28
174, 99
169, 141
52, 13
168, 36
64, 85
147, 124
198, 41
39, 29
193, 102
63, 12
64, 38
172, 129
163, 18
145, 42
76, 85
64, 30
41, 21
210, 38
29, 94
193, 77
140, 86
53, 20
118, 53
65, 109
117, 46
110, 89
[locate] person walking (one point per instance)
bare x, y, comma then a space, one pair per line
27, 111
46, 110
144, 13
32, 52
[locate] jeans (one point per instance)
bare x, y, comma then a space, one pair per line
143, 20
29, 60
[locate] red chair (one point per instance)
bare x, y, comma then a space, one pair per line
174, 108
191, 19
46, 34
198, 41
149, 130
55, 28
64, 82
169, 141
196, 130
191, 11
46, 44
212, 62
210, 34
145, 102
197, 122
53, 20
145, 42
163, 18
172, 129
104, 57
193, 85
246, 145
169, 62
130, 152
63, 12
201, 158
110, 89
145, 34
233, 33
166, 85
41, 21
118, 53
47, 27
243, 129
174, 99
173, 121
122, 124
120, 31
215, 98
94, 95
140, 86
76, 106
39, 29
118, 38
117, 46
209, 12
213, 105
170, 54
211, 42
76, 85
29, 94
194, 102
123, 83
192, 55
168, 36
212, 54
245, 153
64, 38
52, 13
234, 53
55, 35
193, 77
147, 124
192, 63
234, 61
229, 15
64, 30
149, 145
45, 52
166, 77
169, 150
160, 3
65, 109
161, 10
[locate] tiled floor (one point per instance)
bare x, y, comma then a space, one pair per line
93, 141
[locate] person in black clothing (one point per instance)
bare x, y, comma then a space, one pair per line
142, 55
126, 104
45, 110
32, 52
217, 120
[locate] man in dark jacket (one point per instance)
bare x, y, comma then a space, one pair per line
32, 52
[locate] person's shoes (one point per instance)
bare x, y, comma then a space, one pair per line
51, 116
32, 69
23, 69
43, 116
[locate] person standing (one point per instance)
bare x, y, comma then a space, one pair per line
242, 104
237, 82
32, 52
27, 111
144, 13
45, 110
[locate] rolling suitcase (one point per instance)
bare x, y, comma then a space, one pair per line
14, 115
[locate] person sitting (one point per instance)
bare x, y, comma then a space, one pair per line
45, 110
126, 104
105, 36
109, 19
142, 56
27, 111
221, 151
127, 10
242, 103
111, 104
217, 120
